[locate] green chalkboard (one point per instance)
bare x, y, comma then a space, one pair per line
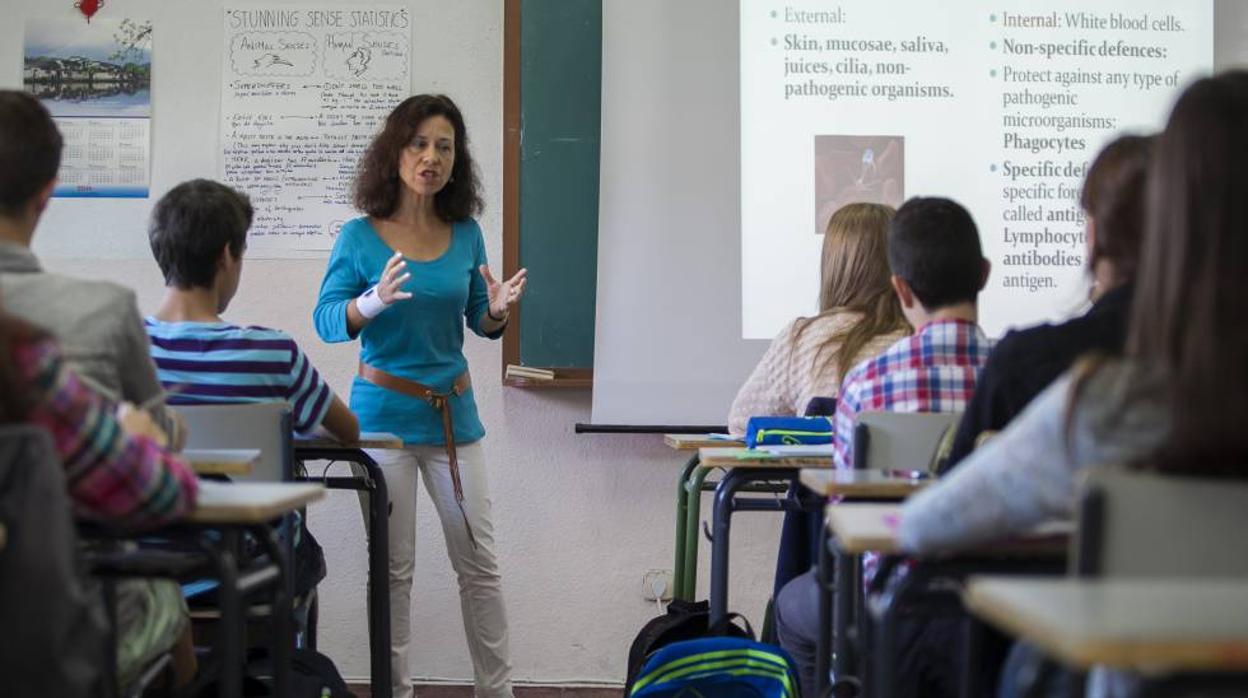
560, 78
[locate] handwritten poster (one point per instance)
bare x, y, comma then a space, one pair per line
95, 79
305, 89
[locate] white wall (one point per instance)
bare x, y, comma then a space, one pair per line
579, 518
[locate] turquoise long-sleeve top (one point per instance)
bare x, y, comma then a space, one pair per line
421, 339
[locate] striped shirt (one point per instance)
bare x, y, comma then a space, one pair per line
111, 475
220, 363
934, 370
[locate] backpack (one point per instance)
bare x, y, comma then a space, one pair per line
684, 620
312, 674
723, 667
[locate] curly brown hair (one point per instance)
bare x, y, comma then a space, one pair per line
377, 184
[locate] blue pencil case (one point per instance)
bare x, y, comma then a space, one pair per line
787, 431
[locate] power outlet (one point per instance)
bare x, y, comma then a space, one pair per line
656, 585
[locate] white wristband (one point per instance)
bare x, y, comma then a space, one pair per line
370, 303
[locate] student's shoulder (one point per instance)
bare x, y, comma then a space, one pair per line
355, 229
1050, 343
468, 230
261, 333
88, 295
872, 367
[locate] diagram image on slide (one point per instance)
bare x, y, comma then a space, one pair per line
852, 169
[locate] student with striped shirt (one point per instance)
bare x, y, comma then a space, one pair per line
198, 235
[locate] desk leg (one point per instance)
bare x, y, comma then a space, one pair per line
846, 577
693, 525
230, 631
971, 657
720, 543
369, 480
682, 514
378, 578
823, 646
283, 636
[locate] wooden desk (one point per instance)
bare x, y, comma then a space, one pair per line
1146, 625
736, 457
861, 484
244, 503
222, 461
693, 442
368, 439
862, 528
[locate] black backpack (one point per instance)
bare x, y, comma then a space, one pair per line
313, 675
684, 620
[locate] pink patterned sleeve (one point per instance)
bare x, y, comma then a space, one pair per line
111, 475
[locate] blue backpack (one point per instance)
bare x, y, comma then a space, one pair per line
718, 667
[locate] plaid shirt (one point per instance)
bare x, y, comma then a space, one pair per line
111, 475
933, 370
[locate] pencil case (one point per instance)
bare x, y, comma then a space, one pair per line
792, 431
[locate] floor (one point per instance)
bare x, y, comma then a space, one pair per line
443, 691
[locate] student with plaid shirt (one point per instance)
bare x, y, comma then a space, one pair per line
938, 270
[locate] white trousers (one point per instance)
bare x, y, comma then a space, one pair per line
480, 586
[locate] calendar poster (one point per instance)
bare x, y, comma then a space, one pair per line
95, 78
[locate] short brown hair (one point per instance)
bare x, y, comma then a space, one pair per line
191, 225
30, 150
377, 183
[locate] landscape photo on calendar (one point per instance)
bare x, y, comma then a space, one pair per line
97, 69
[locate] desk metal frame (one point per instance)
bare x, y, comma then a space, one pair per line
689, 489
373, 484
235, 585
737, 481
929, 588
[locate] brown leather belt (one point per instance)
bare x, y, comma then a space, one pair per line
440, 402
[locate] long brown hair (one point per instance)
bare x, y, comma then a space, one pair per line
855, 279
1189, 316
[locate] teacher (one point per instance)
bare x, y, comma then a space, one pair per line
405, 279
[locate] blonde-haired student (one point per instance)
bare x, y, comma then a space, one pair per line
859, 316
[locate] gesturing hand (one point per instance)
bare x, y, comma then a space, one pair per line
393, 276
503, 294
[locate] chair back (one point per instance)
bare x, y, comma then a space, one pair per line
1146, 524
901, 440
821, 407
265, 426
53, 638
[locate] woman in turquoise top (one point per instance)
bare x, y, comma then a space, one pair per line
405, 279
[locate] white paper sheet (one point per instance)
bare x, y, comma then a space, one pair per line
304, 88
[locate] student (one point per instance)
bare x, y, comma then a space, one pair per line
938, 271
98, 329
1025, 362
198, 235
96, 323
859, 317
1178, 401
117, 472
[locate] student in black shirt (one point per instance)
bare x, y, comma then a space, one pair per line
1026, 361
